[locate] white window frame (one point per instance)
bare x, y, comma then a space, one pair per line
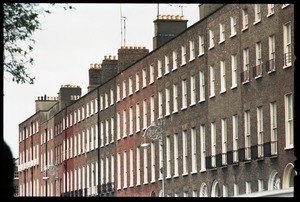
167, 65
201, 45
192, 50
223, 76
138, 166
271, 10
234, 73
193, 89
145, 123
222, 32
130, 86
159, 69
260, 132
287, 43
174, 54
168, 100
152, 108
131, 170
183, 55
184, 94
235, 138
160, 104
273, 121
194, 150
175, 98
233, 26
138, 117
257, 13
213, 144
185, 155
131, 120
124, 118
201, 86
137, 82
212, 81
144, 73
153, 165
247, 134
151, 69
125, 170
145, 166
211, 39
118, 93
176, 156
245, 19
124, 89
289, 121
224, 140
111, 97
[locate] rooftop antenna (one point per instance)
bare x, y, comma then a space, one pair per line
180, 7
123, 27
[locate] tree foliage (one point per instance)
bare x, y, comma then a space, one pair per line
20, 20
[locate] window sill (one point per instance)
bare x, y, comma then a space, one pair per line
185, 174
233, 87
244, 29
211, 47
289, 147
183, 108
211, 96
287, 66
271, 71
192, 59
200, 54
167, 115
183, 64
245, 82
174, 69
232, 35
223, 91
166, 73
200, 101
175, 112
192, 104
202, 170
270, 14
256, 22
220, 42
258, 77
193, 172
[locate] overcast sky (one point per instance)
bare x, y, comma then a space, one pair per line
71, 40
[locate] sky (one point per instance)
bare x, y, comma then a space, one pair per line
71, 40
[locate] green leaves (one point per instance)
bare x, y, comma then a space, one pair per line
20, 20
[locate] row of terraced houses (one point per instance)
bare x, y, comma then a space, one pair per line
221, 89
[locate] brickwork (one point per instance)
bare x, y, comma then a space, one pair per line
196, 163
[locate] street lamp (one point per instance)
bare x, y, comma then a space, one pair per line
52, 170
155, 132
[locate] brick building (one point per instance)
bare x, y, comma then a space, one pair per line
223, 89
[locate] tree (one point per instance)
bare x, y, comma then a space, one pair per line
20, 20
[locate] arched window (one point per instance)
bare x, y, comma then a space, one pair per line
274, 181
288, 176
215, 189
203, 190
